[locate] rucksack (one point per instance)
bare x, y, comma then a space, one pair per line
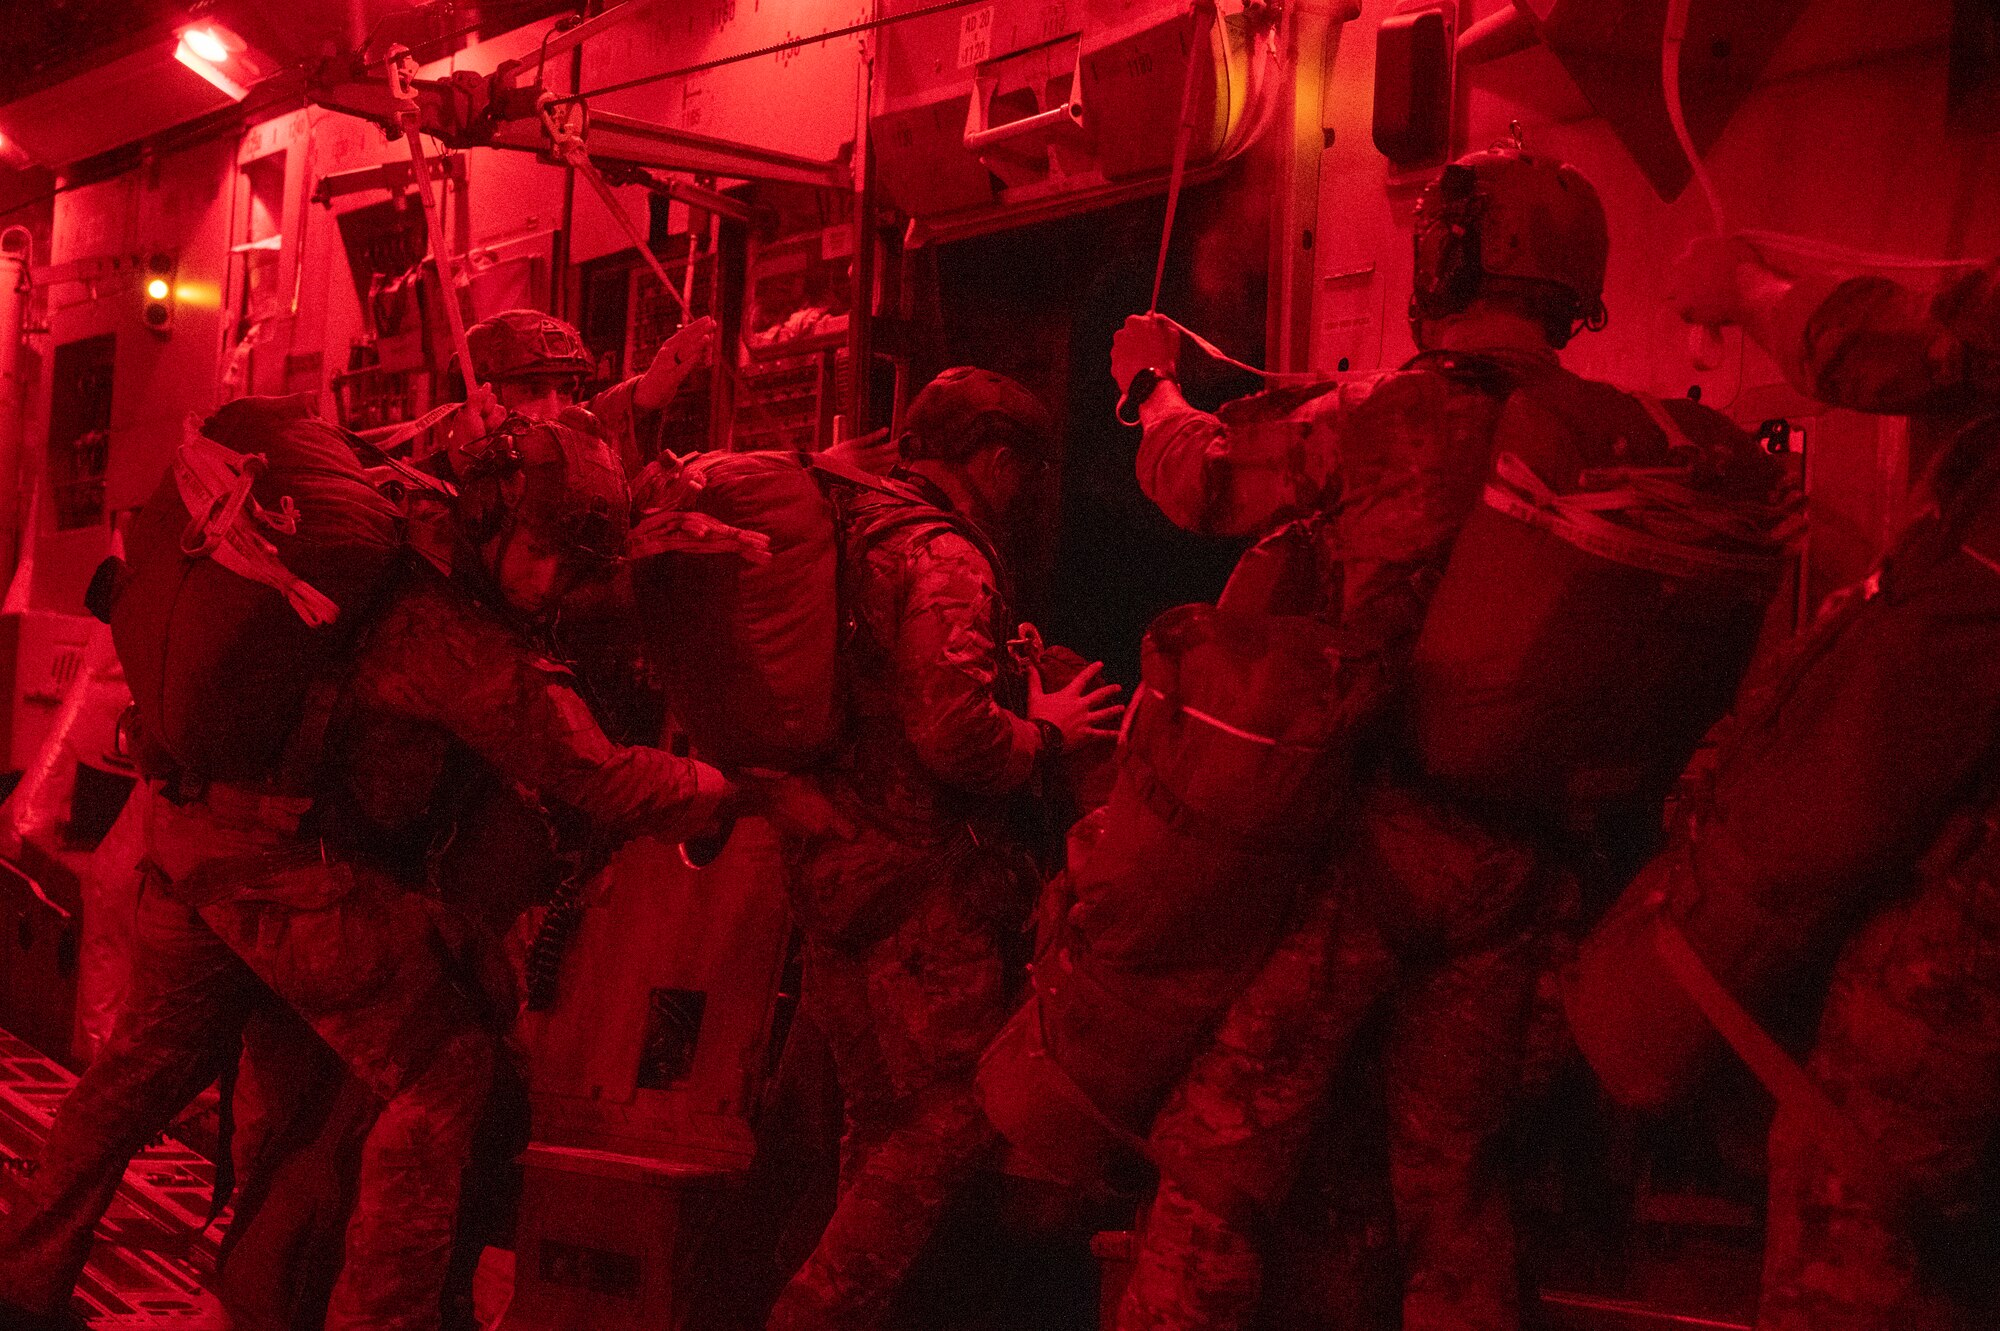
248, 573
1600, 603
1862, 755
746, 651
750, 654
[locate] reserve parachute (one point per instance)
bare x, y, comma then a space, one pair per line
1232, 768
249, 570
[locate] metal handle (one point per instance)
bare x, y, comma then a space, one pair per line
1069, 113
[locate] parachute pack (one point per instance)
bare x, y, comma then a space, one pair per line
1232, 769
746, 651
749, 652
248, 572
1891, 703
1600, 603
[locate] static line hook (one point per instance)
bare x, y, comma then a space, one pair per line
400, 67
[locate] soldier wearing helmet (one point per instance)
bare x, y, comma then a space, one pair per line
542, 505
907, 870
1432, 912
1852, 799
1507, 229
534, 364
313, 886
540, 523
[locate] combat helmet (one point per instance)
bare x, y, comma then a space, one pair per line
966, 409
553, 478
1506, 219
523, 344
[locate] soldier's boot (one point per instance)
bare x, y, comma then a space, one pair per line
399, 1238
889, 1206
188, 999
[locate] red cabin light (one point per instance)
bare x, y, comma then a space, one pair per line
208, 44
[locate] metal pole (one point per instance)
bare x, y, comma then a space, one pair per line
15, 245
559, 265
861, 303
402, 68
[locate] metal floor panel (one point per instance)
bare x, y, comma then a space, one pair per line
153, 1250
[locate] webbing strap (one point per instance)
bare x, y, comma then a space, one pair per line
566, 140
411, 430
1200, 14
214, 484
1855, 1156
1519, 493
402, 69
1215, 721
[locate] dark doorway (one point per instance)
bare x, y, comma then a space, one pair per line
1041, 303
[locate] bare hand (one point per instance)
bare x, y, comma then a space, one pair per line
877, 454
1712, 282
690, 346
481, 415
1146, 342
1081, 713
696, 534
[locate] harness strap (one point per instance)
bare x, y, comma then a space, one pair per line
1853, 1153
1519, 493
214, 483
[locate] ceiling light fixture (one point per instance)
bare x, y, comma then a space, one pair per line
205, 50
208, 44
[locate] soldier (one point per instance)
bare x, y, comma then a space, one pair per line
1441, 905
907, 875
308, 893
1879, 782
532, 364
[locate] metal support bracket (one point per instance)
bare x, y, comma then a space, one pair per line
394, 177
617, 139
471, 111
681, 191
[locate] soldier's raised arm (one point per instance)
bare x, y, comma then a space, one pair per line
1265, 459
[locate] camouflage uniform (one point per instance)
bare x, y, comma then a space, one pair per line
1909, 1042
1441, 914
906, 906
249, 893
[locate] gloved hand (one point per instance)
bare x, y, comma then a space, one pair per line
720, 799
1147, 341
1716, 279
481, 415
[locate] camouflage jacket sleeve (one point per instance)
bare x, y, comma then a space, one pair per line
617, 413
1265, 459
437, 658
947, 665
1876, 344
